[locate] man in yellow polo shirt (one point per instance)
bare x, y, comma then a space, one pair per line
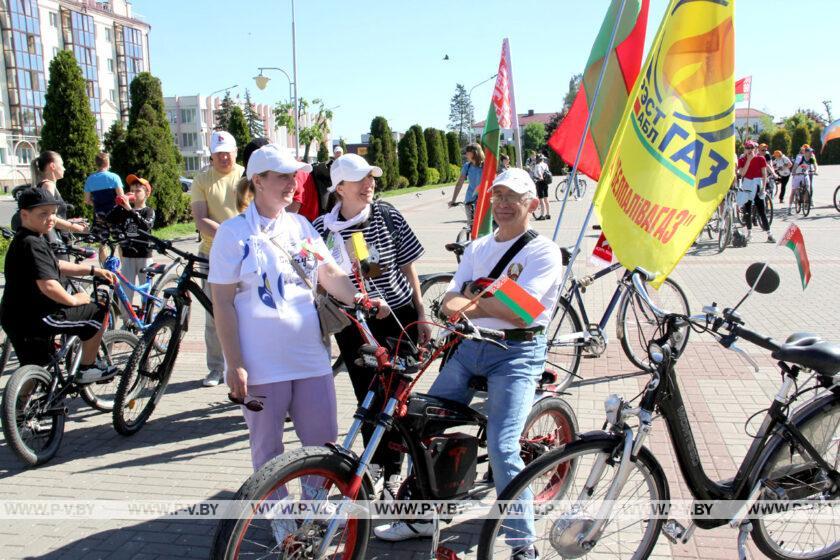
213, 202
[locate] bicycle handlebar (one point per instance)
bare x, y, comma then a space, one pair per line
639, 288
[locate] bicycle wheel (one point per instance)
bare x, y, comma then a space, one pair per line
145, 376
463, 235
564, 344
805, 532
768, 208
309, 473
560, 189
581, 189
114, 350
5, 351
637, 323
806, 203
725, 230
33, 426
550, 424
837, 198
560, 518
433, 289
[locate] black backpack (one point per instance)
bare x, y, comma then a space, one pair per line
321, 176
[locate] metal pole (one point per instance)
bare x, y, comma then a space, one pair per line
573, 175
294, 73
749, 104
576, 251
516, 133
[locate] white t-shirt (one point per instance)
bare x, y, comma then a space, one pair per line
537, 268
279, 332
780, 165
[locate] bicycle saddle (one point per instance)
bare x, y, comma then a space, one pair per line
458, 247
808, 350
156, 268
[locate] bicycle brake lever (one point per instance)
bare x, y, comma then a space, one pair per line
735, 348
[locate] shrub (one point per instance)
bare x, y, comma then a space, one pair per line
432, 176
780, 141
764, 137
407, 156
402, 182
454, 172
382, 151
184, 210
800, 136
422, 154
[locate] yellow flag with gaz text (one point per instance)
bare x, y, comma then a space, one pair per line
672, 159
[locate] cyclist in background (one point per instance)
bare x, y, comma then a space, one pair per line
470, 172
805, 164
752, 168
781, 165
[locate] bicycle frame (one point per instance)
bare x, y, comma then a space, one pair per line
112, 264
574, 291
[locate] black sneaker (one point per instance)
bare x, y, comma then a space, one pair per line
97, 372
525, 553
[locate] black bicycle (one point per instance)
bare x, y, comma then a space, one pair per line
792, 462
35, 399
149, 367
444, 460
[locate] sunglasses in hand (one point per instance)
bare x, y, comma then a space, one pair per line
252, 405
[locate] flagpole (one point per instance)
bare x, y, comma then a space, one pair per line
573, 175
516, 138
749, 104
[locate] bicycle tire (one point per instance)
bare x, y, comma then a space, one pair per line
678, 303
768, 208
5, 351
145, 377
806, 203
25, 391
101, 396
432, 290
574, 457
581, 189
725, 230
230, 534
564, 356
561, 428
837, 198
794, 474
560, 189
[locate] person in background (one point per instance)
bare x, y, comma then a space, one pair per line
47, 169
753, 170
135, 257
539, 171
338, 151
101, 191
471, 172
804, 168
504, 163
781, 165
214, 201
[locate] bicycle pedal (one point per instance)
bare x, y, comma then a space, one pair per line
445, 553
673, 531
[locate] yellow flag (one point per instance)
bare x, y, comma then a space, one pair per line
672, 159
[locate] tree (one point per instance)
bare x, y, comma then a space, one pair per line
422, 154
408, 157
780, 141
256, 126
323, 152
533, 137
437, 159
382, 152
461, 112
222, 114
816, 143
800, 136
444, 157
70, 128
453, 149
827, 104
343, 144
238, 128
315, 132
764, 137
114, 144
150, 150
574, 86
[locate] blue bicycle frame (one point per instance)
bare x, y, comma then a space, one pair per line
113, 264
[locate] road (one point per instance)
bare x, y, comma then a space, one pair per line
195, 446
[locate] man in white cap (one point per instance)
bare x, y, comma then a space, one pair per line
214, 201
535, 263
338, 151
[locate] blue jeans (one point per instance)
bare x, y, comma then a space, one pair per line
512, 377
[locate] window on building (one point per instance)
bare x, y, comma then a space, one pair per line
191, 163
110, 64
3, 156
189, 139
25, 55
187, 116
108, 34
83, 44
133, 48
112, 93
53, 19
30, 43
55, 52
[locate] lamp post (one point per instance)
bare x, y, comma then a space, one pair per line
262, 81
469, 93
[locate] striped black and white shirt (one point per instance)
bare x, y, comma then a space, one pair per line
389, 251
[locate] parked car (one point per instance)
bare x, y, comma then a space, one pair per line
186, 183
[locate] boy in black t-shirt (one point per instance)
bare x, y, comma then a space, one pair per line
35, 306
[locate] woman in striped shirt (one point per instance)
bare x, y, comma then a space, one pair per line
390, 275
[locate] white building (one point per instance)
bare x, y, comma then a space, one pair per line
110, 44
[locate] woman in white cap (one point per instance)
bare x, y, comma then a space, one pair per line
275, 360
389, 273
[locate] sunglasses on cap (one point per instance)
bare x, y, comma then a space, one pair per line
252, 405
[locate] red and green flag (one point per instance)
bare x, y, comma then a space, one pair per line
526, 306
623, 63
794, 241
742, 89
501, 114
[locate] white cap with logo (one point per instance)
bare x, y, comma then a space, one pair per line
222, 141
517, 180
351, 167
338, 149
271, 158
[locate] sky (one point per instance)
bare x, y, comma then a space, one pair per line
369, 58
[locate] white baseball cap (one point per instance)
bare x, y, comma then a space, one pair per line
351, 167
271, 158
338, 148
222, 141
517, 180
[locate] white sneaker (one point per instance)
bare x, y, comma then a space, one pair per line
770, 238
98, 372
401, 531
213, 378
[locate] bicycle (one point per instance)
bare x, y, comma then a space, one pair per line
443, 464
149, 367
578, 189
803, 197
34, 402
570, 334
720, 224
789, 462
753, 217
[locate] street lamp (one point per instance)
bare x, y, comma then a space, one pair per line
469, 94
223, 89
262, 81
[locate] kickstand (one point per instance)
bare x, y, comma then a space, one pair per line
743, 533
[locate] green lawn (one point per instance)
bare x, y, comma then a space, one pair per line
186, 229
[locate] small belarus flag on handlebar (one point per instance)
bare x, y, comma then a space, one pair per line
794, 240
